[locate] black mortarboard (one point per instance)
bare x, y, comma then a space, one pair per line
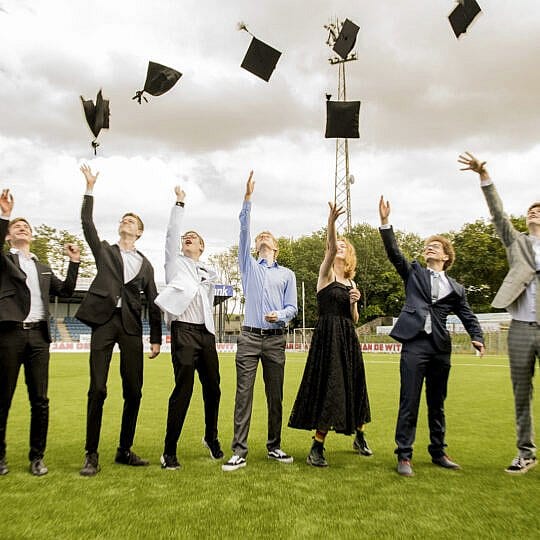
97, 116
159, 79
463, 15
260, 59
346, 39
342, 119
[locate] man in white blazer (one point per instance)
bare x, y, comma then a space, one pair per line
187, 303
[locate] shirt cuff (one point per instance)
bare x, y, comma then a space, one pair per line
89, 192
487, 182
384, 227
4, 217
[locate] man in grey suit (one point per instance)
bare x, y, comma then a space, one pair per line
518, 294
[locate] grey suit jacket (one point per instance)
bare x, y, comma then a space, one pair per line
519, 252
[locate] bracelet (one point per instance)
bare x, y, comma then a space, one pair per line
180, 203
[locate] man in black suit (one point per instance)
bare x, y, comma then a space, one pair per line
113, 309
25, 286
430, 295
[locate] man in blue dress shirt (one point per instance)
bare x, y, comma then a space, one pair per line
270, 293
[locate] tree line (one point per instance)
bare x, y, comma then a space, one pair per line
480, 265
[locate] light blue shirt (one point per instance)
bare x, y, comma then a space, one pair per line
266, 288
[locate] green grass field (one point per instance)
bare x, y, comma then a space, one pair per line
356, 497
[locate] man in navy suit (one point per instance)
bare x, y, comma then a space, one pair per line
25, 287
430, 295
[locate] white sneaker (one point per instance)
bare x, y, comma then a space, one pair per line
236, 462
280, 455
521, 465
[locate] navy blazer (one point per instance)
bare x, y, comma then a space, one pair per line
108, 286
15, 294
418, 304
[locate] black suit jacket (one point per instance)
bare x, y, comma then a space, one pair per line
15, 294
417, 281
108, 285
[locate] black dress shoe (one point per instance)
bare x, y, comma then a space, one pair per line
91, 465
38, 468
3, 467
127, 457
360, 444
445, 462
215, 448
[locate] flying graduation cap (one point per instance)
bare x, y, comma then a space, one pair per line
346, 39
97, 116
342, 119
463, 15
159, 79
260, 58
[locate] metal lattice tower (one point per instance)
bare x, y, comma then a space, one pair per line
342, 178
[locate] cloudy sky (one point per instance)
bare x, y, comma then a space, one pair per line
426, 97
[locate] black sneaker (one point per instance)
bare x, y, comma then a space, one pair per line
91, 465
127, 457
521, 465
38, 468
214, 447
169, 463
3, 467
277, 454
360, 445
316, 455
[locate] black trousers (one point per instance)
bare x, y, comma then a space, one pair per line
193, 347
29, 348
102, 343
421, 360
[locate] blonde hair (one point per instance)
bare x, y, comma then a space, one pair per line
448, 249
274, 239
350, 259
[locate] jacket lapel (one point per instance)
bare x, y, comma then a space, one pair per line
118, 261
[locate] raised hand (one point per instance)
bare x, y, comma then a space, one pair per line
250, 186
472, 164
6, 203
180, 194
73, 251
384, 210
90, 177
335, 212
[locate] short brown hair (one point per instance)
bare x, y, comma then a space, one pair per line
533, 205
140, 223
350, 259
15, 220
448, 249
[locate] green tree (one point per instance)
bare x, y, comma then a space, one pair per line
48, 246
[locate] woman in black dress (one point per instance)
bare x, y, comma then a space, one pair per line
333, 394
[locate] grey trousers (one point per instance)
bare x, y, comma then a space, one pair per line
523, 350
271, 351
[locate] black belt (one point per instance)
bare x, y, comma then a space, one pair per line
24, 325
265, 331
193, 326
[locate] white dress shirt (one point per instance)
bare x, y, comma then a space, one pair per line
28, 266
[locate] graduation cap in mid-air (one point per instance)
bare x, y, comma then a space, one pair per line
342, 119
159, 79
260, 58
346, 39
463, 15
96, 115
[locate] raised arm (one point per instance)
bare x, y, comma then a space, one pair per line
89, 229
505, 229
326, 272
244, 255
65, 288
396, 257
172, 241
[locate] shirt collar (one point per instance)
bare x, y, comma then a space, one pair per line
18, 252
134, 250
262, 260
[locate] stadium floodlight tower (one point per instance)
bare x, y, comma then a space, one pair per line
342, 179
